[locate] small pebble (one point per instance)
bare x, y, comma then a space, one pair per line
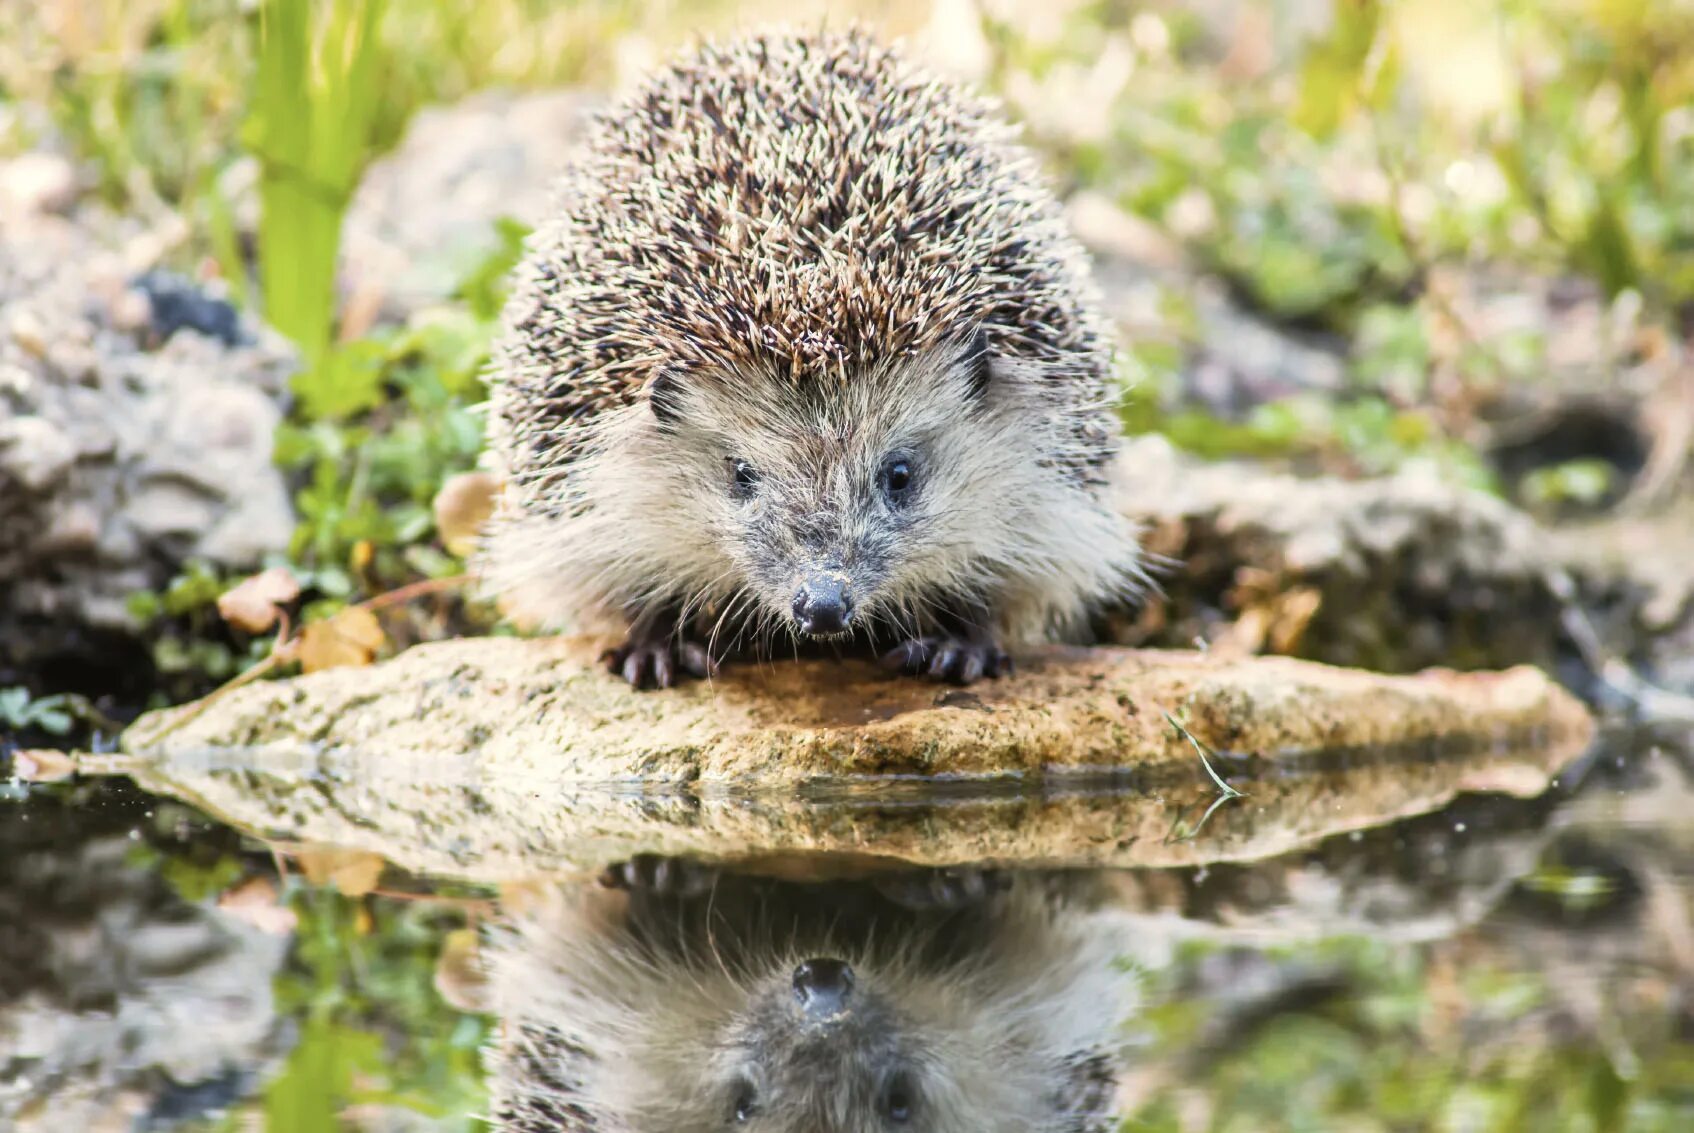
131, 311
27, 332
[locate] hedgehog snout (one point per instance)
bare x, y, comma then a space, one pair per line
823, 606
822, 988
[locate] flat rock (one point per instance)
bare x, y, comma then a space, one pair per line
497, 757
545, 707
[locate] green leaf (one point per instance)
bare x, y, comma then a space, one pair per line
1332, 75
346, 380
317, 95
317, 1082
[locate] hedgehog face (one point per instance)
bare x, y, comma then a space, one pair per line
813, 1050
763, 1006
820, 1047
844, 506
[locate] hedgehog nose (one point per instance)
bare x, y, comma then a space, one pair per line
823, 605
821, 987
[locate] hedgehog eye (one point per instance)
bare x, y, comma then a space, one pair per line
743, 478
896, 480
899, 1099
746, 1104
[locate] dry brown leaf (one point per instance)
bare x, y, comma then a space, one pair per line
354, 872
255, 604
42, 765
351, 637
462, 507
518, 897
459, 975
1294, 612
255, 902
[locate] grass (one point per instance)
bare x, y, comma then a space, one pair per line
317, 97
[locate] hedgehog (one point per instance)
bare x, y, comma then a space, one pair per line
804, 356
956, 1003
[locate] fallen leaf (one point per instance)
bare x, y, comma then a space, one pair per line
353, 872
255, 604
459, 975
255, 902
1294, 612
462, 507
42, 765
523, 897
351, 637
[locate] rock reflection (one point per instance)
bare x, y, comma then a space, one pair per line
677, 996
122, 1005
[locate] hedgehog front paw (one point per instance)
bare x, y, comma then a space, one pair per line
659, 664
952, 659
941, 890
659, 875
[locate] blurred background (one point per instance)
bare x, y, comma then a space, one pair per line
1447, 237
1439, 250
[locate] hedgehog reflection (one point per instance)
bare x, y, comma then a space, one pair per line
678, 999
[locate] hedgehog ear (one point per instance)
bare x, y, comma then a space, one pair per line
664, 395
978, 363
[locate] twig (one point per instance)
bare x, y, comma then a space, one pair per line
1177, 834
413, 590
1201, 749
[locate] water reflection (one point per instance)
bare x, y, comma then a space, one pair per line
122, 1004
1493, 962
679, 996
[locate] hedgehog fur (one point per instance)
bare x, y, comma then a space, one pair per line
665, 1013
802, 312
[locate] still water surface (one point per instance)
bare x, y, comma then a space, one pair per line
1307, 957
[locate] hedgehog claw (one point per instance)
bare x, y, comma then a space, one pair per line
658, 664
907, 657
950, 659
695, 659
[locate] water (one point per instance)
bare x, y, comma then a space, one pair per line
1494, 941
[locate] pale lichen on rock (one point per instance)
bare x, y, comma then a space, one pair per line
129, 444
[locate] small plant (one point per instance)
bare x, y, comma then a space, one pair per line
317, 94
50, 714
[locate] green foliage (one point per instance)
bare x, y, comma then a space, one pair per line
1377, 1060
50, 714
1351, 68
190, 644
374, 1030
312, 125
368, 1026
1330, 179
1600, 151
1578, 482
1360, 435
149, 97
379, 425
